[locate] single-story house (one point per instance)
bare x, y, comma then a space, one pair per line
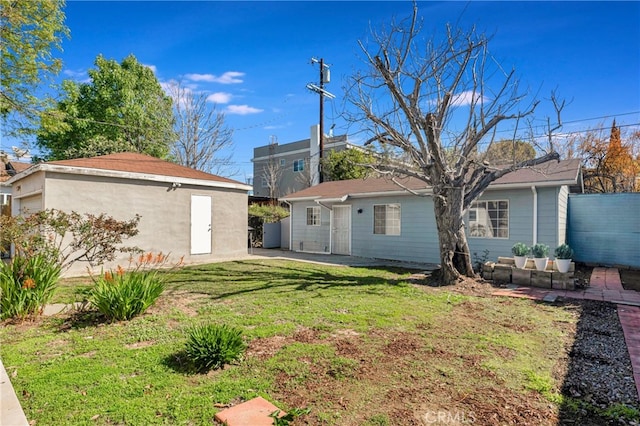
184, 212
375, 218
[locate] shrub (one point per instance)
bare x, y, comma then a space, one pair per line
68, 237
212, 346
27, 285
520, 249
540, 250
563, 252
123, 294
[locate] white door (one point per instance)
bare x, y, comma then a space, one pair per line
341, 230
200, 224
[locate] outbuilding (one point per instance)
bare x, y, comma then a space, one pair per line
184, 212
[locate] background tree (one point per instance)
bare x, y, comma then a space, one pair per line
611, 164
271, 175
203, 140
123, 108
508, 152
29, 32
410, 96
347, 164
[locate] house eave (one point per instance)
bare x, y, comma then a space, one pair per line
526, 185
85, 171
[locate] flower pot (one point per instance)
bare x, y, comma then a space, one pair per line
563, 265
521, 261
541, 263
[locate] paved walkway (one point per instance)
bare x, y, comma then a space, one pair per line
604, 285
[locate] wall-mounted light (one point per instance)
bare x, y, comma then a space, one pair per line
359, 211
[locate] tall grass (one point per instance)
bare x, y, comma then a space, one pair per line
27, 284
123, 294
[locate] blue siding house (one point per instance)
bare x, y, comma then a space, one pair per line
376, 218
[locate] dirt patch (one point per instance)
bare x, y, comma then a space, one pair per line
630, 279
184, 301
394, 377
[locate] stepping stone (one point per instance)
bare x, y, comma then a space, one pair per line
512, 286
550, 298
254, 412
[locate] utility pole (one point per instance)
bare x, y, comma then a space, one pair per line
321, 121
319, 89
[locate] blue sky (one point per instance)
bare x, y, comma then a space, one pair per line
253, 58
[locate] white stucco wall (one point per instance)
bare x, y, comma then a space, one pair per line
165, 212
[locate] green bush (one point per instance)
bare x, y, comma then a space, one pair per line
122, 294
520, 249
212, 346
122, 297
540, 250
27, 284
563, 251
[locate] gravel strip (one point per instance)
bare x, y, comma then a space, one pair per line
599, 372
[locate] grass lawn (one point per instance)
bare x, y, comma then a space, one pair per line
358, 346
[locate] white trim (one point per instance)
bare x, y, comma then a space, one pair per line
28, 194
87, 171
290, 225
359, 195
500, 186
535, 214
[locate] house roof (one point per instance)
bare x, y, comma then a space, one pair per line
553, 173
11, 168
134, 166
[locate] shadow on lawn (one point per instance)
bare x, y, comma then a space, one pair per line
598, 388
243, 277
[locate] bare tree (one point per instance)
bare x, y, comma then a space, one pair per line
434, 105
204, 141
272, 173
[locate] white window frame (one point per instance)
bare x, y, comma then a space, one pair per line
391, 223
298, 165
313, 216
283, 162
264, 182
494, 214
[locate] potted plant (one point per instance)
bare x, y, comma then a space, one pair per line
520, 252
563, 254
540, 254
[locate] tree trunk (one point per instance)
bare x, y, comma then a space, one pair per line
455, 258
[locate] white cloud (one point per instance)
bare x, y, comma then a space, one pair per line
153, 68
72, 73
229, 77
242, 110
219, 98
465, 98
80, 76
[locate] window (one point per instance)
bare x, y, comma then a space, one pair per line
298, 165
386, 219
283, 162
265, 182
489, 219
313, 216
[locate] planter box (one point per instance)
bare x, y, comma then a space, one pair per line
502, 273
560, 281
521, 276
487, 270
541, 279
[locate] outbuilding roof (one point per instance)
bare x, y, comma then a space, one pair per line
552, 173
134, 166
